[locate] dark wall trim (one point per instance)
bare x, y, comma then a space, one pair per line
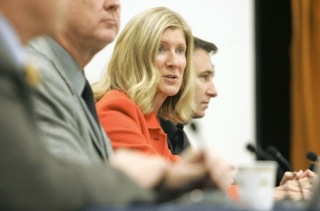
273, 36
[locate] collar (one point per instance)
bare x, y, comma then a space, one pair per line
70, 67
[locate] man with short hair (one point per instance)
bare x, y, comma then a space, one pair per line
65, 108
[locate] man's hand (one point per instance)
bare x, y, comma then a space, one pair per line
197, 169
295, 185
221, 170
297, 175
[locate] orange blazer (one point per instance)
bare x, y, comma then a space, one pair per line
128, 127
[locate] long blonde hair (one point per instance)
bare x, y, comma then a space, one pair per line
132, 66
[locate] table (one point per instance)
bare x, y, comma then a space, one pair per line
211, 200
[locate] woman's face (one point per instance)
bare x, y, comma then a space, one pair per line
171, 61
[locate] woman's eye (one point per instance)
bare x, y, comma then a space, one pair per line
181, 51
161, 49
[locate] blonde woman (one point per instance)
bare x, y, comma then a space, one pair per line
149, 76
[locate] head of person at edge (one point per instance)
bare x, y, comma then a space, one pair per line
149, 74
205, 88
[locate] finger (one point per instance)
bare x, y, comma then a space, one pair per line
308, 173
299, 174
306, 183
296, 196
294, 186
288, 175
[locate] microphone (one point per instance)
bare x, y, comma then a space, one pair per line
260, 153
194, 127
313, 157
313, 167
279, 158
200, 140
263, 155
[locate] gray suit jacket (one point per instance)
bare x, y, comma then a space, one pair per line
69, 129
32, 179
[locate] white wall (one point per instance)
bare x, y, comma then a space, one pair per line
229, 121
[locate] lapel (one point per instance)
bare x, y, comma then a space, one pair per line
44, 46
